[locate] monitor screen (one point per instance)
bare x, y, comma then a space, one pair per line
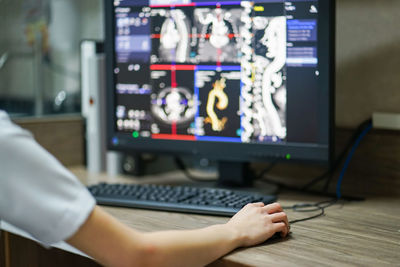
226, 80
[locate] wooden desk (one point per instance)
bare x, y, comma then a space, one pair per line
354, 234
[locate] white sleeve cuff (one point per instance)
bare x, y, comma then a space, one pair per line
74, 217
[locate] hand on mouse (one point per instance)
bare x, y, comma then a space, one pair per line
257, 222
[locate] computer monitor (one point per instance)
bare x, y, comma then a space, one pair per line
232, 81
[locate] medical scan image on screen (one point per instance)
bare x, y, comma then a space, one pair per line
216, 70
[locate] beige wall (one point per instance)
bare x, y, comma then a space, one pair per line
368, 59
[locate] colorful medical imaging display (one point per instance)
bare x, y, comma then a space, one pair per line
228, 71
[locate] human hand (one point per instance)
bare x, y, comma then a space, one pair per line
257, 222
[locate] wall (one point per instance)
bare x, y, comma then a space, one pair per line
368, 59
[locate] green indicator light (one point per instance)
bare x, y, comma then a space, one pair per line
135, 134
288, 156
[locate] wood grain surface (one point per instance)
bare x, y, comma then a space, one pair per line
363, 233
62, 136
4, 249
25, 252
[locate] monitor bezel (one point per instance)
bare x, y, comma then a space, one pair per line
226, 151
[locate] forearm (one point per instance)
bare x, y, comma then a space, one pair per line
191, 248
114, 244
254, 224
107, 240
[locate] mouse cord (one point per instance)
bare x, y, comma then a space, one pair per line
311, 207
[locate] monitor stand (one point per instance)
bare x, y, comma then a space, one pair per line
238, 175
235, 174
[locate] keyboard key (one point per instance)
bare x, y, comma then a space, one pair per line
188, 199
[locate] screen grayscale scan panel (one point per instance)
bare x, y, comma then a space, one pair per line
229, 71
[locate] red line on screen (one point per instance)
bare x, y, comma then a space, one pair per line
173, 130
155, 6
171, 67
199, 35
174, 84
206, 36
174, 137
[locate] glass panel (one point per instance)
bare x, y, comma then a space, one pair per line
39, 54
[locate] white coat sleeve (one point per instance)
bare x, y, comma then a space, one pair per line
38, 194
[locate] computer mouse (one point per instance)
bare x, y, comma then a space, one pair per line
278, 236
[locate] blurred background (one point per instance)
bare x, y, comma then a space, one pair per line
40, 69
39, 54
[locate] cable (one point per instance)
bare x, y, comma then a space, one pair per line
322, 213
327, 183
306, 207
310, 192
181, 165
348, 159
351, 142
302, 207
354, 142
317, 179
356, 139
341, 156
266, 170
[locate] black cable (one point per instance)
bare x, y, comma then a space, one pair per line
322, 213
309, 191
266, 170
329, 174
361, 129
181, 165
302, 207
328, 183
317, 179
311, 207
321, 206
359, 133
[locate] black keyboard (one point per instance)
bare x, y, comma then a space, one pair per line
187, 199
